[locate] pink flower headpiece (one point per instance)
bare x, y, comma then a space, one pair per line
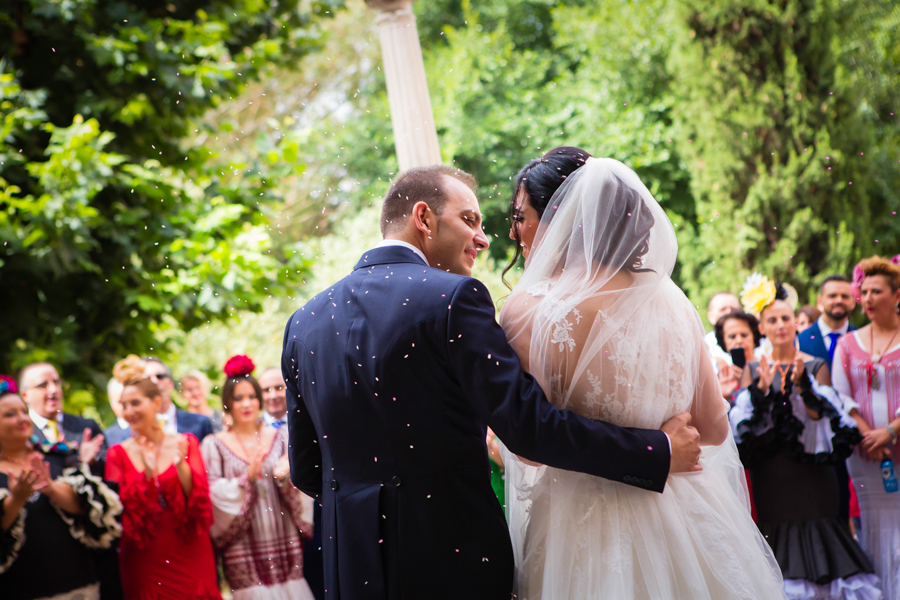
859, 276
8, 385
239, 365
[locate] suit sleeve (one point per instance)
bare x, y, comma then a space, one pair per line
512, 403
304, 452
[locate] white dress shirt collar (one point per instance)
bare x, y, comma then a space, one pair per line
122, 423
41, 422
419, 253
270, 420
168, 419
825, 329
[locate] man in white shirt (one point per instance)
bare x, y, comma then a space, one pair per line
719, 305
274, 400
41, 388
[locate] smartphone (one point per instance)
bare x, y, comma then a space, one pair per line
738, 357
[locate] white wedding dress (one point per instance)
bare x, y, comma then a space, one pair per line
598, 321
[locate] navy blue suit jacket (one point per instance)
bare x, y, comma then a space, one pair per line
812, 342
185, 422
392, 376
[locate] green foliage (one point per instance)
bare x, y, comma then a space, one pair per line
777, 134
118, 224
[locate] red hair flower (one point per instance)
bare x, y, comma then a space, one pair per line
239, 365
8, 385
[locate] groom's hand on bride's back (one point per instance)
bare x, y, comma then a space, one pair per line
685, 444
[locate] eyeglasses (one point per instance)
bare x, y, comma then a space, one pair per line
45, 384
277, 388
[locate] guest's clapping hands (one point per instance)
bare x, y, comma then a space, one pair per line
799, 370
766, 375
90, 447
685, 444
256, 462
24, 485
148, 455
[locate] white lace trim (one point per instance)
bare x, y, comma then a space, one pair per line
88, 487
17, 531
863, 586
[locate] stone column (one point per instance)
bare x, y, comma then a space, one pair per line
415, 136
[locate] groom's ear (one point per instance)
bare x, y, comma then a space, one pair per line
423, 218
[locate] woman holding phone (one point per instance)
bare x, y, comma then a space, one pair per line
737, 333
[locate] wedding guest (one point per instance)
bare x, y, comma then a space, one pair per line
275, 415
788, 425
820, 339
867, 374
41, 388
53, 512
836, 302
806, 316
118, 431
173, 418
195, 389
719, 305
735, 329
165, 552
273, 395
259, 524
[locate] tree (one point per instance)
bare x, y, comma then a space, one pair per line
773, 125
115, 229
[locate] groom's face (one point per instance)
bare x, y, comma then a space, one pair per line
457, 237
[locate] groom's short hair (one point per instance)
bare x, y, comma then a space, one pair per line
419, 184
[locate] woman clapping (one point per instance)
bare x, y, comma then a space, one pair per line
258, 526
51, 513
165, 551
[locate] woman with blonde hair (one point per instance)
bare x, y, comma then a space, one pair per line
165, 551
867, 369
195, 389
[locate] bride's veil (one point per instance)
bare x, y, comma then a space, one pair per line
597, 320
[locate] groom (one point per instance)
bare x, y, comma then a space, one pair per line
393, 373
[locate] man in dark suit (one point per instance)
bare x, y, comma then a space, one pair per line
836, 302
393, 375
41, 388
174, 419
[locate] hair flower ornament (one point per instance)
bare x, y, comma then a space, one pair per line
239, 365
758, 292
857, 279
8, 385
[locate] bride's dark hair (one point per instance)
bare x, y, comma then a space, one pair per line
540, 179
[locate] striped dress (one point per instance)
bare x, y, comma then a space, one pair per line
258, 530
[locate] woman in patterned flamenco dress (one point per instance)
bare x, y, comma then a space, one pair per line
866, 372
597, 320
165, 552
259, 527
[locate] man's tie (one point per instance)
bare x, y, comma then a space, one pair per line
277, 424
53, 426
834, 337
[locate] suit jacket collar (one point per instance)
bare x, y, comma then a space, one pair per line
388, 255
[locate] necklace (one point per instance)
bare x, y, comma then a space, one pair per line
14, 460
783, 371
874, 380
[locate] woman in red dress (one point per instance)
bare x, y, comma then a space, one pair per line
166, 552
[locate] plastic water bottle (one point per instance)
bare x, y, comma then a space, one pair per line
888, 476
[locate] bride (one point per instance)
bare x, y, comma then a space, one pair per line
598, 321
